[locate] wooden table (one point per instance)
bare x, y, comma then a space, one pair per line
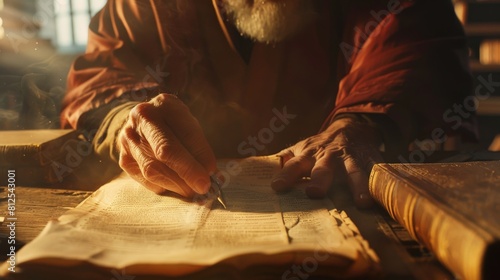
401, 257
34, 208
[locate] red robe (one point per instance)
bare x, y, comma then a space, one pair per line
403, 59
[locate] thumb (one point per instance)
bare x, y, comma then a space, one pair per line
358, 175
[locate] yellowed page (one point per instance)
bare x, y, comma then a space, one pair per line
123, 225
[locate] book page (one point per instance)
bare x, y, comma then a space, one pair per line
123, 224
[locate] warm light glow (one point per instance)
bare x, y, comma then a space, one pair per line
72, 18
2, 31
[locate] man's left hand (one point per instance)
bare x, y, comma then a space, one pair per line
344, 152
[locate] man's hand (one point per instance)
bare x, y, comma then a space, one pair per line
163, 147
344, 152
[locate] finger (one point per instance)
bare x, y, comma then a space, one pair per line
323, 175
285, 156
129, 165
133, 170
168, 149
187, 129
167, 184
293, 170
147, 170
160, 175
357, 178
153, 170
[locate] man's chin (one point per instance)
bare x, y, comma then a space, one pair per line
270, 21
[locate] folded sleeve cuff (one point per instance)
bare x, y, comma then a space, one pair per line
105, 140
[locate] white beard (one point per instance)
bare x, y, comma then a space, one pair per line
270, 20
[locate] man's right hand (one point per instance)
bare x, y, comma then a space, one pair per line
162, 146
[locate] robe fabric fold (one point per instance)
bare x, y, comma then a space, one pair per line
406, 60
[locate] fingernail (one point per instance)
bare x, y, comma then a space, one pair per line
278, 184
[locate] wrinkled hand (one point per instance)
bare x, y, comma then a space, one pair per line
163, 147
347, 148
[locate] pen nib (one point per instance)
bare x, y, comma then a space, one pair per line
219, 199
215, 190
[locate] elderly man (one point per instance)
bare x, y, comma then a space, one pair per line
170, 85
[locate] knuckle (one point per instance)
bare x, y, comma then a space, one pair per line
308, 144
149, 169
167, 152
126, 133
302, 157
142, 113
162, 97
126, 137
332, 154
159, 100
348, 157
140, 110
303, 150
165, 99
162, 151
138, 113
286, 151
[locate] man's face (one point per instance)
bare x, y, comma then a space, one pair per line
270, 20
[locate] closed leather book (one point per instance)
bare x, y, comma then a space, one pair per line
33, 147
452, 208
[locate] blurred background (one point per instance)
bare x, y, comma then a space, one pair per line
33, 30
38, 41
40, 38
481, 20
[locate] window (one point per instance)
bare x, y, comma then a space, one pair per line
71, 20
2, 31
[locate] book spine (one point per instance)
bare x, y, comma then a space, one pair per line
41, 155
456, 244
19, 155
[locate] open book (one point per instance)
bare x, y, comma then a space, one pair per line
452, 208
124, 229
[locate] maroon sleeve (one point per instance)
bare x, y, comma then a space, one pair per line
123, 53
413, 66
